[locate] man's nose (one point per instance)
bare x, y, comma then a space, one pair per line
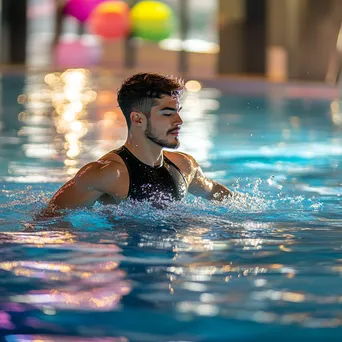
178, 119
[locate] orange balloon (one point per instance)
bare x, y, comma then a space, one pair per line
111, 20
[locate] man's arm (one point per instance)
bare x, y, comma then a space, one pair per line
199, 184
208, 188
84, 189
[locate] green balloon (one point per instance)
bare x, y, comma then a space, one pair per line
154, 31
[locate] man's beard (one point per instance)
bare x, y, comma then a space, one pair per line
150, 134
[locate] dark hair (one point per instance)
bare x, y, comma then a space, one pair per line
140, 91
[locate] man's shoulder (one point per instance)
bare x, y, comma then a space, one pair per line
111, 157
181, 157
185, 162
101, 170
101, 165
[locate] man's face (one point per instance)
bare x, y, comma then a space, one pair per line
164, 123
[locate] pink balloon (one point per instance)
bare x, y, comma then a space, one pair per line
81, 9
77, 54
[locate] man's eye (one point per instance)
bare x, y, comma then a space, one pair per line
167, 114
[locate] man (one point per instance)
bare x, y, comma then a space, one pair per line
140, 169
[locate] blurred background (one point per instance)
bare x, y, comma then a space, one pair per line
63, 60
279, 40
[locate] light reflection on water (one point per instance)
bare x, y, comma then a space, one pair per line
268, 263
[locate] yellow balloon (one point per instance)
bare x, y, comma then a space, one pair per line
151, 10
152, 20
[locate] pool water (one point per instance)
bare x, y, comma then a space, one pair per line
264, 266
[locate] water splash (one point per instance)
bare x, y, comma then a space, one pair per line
254, 200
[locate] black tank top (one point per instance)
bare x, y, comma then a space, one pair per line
162, 183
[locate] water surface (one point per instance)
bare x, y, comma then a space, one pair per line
265, 266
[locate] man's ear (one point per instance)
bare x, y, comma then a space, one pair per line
137, 118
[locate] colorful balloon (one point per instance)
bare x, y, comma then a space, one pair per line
110, 20
81, 9
152, 20
77, 54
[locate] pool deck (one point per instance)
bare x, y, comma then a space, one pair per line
261, 86
229, 84
201, 67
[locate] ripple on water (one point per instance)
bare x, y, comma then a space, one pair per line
261, 258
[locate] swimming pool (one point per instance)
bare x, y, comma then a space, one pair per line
263, 267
